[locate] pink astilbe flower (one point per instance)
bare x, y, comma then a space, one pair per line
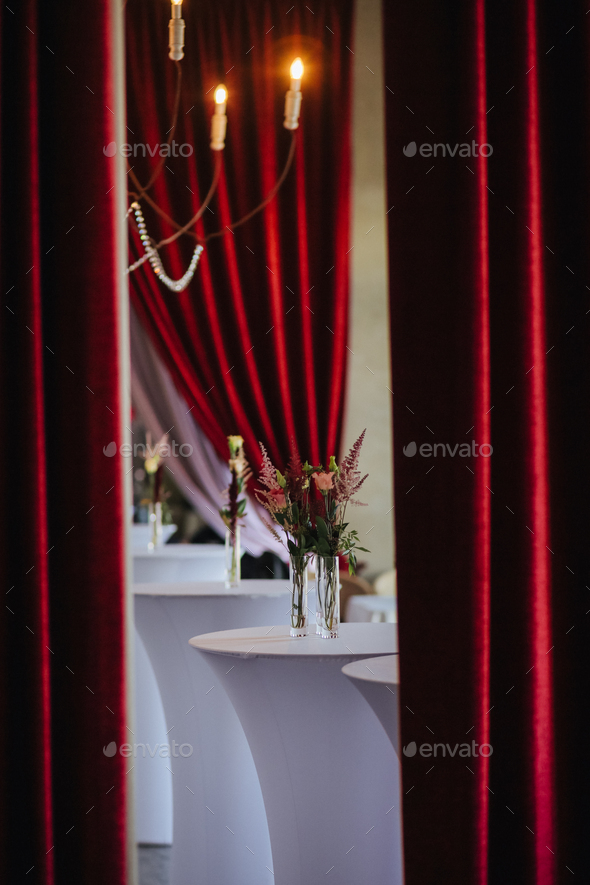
349, 480
268, 472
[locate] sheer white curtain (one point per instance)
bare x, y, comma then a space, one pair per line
201, 476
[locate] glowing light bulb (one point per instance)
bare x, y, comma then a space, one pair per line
219, 119
296, 70
293, 96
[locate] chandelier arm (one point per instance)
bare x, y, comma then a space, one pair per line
180, 230
207, 200
270, 196
161, 212
160, 166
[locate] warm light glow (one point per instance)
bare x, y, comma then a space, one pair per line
177, 2
220, 95
297, 69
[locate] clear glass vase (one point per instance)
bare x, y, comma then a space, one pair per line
327, 569
298, 584
233, 555
155, 517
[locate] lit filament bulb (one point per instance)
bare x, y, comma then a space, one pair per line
176, 32
293, 96
219, 119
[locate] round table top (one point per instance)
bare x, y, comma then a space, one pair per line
181, 551
250, 587
362, 640
384, 670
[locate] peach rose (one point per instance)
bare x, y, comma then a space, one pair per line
278, 496
323, 481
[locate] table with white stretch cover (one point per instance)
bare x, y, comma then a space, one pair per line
329, 774
179, 563
371, 609
220, 833
377, 679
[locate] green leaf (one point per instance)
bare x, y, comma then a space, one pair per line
292, 547
322, 527
242, 506
294, 512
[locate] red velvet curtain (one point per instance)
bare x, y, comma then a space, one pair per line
490, 335
62, 801
257, 343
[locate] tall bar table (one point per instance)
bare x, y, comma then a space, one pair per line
220, 833
328, 772
377, 679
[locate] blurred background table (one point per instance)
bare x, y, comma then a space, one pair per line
219, 834
179, 563
373, 609
377, 679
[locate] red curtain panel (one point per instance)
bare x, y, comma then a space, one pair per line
487, 109
62, 802
257, 343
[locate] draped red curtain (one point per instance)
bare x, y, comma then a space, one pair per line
489, 317
62, 802
257, 343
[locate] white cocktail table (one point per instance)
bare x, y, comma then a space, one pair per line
220, 833
329, 774
377, 679
179, 563
372, 609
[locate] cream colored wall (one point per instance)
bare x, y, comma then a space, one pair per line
368, 399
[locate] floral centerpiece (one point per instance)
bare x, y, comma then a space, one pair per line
154, 468
332, 536
287, 500
236, 508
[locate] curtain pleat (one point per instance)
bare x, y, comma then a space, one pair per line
489, 284
257, 343
62, 679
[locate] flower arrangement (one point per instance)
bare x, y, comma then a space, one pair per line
154, 468
236, 508
287, 500
312, 525
240, 474
338, 487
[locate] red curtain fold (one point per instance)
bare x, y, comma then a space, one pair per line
257, 343
63, 802
489, 284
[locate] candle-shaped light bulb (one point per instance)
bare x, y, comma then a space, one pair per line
176, 32
219, 119
220, 99
293, 96
296, 74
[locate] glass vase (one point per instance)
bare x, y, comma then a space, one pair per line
328, 596
298, 585
232, 558
155, 519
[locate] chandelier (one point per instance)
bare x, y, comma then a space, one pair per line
151, 253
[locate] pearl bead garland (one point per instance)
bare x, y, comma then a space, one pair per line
151, 255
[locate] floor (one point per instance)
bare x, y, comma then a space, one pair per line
154, 864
